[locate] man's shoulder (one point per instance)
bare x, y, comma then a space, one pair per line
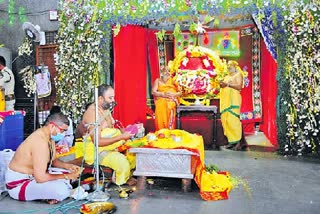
6, 75
89, 114
6, 69
33, 141
90, 110
36, 135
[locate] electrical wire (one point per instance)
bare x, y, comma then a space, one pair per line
27, 14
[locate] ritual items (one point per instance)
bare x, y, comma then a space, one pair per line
98, 207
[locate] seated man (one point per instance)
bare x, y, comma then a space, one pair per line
109, 157
29, 175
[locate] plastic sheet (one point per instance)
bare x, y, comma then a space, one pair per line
5, 158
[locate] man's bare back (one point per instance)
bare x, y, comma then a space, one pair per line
36, 146
36, 154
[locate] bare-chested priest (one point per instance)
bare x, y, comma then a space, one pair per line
30, 176
110, 157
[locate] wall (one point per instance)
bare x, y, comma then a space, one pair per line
12, 36
6, 53
36, 12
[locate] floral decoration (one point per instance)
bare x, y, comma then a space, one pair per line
202, 81
28, 77
25, 48
81, 37
80, 56
301, 97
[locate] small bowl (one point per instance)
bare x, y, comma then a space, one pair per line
151, 137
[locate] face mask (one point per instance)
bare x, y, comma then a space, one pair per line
108, 106
58, 137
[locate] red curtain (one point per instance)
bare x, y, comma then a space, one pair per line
130, 74
268, 94
153, 54
245, 61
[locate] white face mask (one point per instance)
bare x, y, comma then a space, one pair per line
58, 137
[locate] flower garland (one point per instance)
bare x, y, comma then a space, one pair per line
25, 48
27, 73
301, 72
28, 78
79, 67
139, 12
203, 82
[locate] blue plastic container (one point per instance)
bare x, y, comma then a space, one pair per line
11, 132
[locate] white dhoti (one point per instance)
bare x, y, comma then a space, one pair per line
24, 187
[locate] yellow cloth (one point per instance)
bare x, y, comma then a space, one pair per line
230, 102
2, 100
165, 112
109, 155
213, 186
86, 148
119, 163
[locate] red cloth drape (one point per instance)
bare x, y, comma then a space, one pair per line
245, 60
268, 94
130, 74
153, 54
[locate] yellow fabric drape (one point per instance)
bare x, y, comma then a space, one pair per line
213, 186
165, 112
230, 102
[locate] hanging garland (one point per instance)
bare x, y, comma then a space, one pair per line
301, 91
80, 57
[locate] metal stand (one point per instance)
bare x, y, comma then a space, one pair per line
98, 194
35, 110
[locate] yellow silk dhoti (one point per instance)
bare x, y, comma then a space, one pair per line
108, 155
230, 102
165, 112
